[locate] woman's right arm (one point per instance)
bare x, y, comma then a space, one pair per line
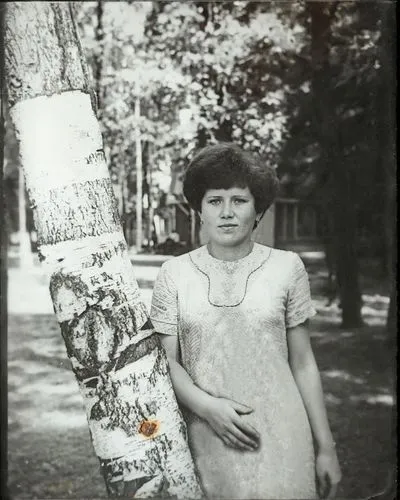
222, 414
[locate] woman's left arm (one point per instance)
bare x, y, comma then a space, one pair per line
308, 380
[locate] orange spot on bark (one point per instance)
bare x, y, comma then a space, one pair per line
149, 428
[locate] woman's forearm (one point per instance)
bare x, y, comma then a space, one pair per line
187, 393
309, 384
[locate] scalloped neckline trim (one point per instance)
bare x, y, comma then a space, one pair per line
228, 280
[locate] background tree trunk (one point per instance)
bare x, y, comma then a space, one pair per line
149, 182
136, 427
3, 284
25, 250
387, 131
139, 177
99, 53
335, 175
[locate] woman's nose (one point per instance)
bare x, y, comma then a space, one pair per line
227, 209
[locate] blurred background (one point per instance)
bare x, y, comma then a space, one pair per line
310, 87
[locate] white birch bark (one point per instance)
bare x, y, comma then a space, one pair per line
137, 429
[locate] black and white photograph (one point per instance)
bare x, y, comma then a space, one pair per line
198, 250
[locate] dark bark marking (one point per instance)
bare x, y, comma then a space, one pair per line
119, 325
87, 198
87, 324
160, 366
147, 326
115, 470
95, 319
97, 156
136, 351
72, 282
98, 258
60, 69
124, 415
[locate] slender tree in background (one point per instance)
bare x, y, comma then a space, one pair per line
25, 251
3, 282
139, 176
387, 132
99, 50
150, 202
336, 175
137, 429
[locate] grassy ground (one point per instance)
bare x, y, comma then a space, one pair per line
50, 453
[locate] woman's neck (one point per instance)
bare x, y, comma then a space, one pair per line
230, 253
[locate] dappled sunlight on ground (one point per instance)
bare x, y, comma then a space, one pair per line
40, 378
344, 376
50, 452
51, 456
358, 372
384, 399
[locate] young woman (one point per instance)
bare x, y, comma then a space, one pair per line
232, 316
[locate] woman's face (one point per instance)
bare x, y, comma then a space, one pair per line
228, 215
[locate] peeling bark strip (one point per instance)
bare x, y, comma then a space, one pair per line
136, 426
101, 275
98, 305
62, 142
94, 251
85, 209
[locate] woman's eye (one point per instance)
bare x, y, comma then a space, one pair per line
239, 201
214, 202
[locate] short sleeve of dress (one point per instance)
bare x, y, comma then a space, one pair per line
299, 304
164, 305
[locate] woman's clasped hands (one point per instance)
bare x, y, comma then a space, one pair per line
224, 417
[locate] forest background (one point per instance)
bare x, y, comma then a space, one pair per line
310, 86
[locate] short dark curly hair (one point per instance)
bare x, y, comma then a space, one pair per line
226, 165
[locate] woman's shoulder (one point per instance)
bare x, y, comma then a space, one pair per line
286, 261
175, 265
278, 255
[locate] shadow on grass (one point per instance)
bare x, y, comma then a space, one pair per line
51, 455
53, 464
49, 449
357, 370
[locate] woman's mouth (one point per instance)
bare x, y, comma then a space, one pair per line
227, 227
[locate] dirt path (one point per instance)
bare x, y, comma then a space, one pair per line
50, 453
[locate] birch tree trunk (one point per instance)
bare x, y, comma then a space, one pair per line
137, 429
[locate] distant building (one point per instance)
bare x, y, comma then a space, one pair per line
289, 222
296, 222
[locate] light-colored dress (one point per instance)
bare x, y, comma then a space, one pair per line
231, 320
